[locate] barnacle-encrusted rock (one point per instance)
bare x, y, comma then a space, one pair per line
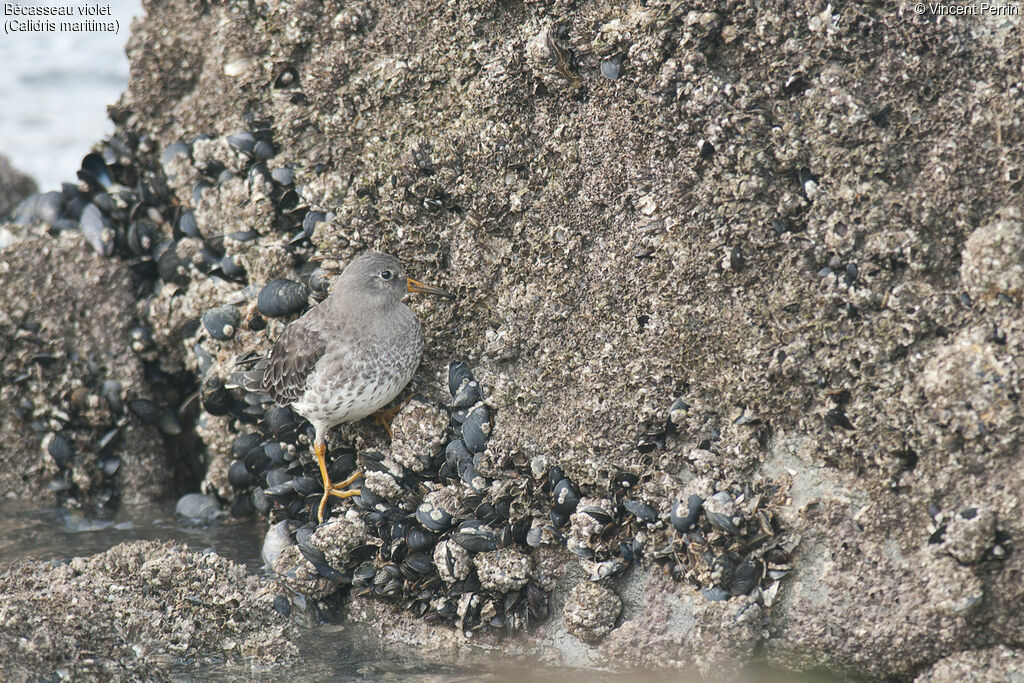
452, 561
591, 611
993, 259
502, 570
338, 537
969, 534
418, 431
125, 612
66, 328
296, 572
969, 384
991, 665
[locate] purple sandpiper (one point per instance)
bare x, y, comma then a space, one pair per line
348, 357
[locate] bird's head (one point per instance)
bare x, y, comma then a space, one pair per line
382, 279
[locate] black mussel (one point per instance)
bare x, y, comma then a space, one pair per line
231, 268
566, 495
715, 594
259, 176
720, 510
174, 149
368, 500
319, 281
207, 260
278, 476
225, 176
143, 236
256, 460
263, 150
458, 373
479, 542
937, 535
96, 230
297, 508
306, 485
198, 190
625, 480
651, 439
558, 518
611, 68
63, 225
641, 511
169, 423
281, 493
46, 208
104, 202
474, 480
60, 450
476, 428
107, 440
420, 540
244, 235
146, 410
419, 563
188, 225
281, 421
555, 475
684, 515
287, 203
432, 517
172, 268
468, 395
240, 477
111, 392
343, 464
486, 513
95, 172
597, 513
722, 569
276, 452
261, 502
281, 297
243, 142
244, 443
310, 221
288, 78
282, 175
221, 322
316, 557
364, 574
746, 577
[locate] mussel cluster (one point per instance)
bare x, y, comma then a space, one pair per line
427, 531
123, 208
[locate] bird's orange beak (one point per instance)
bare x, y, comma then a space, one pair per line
420, 288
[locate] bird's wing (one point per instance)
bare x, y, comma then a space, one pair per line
291, 361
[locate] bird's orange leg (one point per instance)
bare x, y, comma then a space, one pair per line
385, 416
320, 450
338, 489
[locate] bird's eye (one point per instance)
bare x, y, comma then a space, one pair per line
386, 274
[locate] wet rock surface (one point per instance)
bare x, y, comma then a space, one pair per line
136, 611
733, 316
591, 611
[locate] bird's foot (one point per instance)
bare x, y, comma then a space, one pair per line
385, 416
339, 489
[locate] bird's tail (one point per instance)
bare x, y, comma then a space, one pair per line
248, 373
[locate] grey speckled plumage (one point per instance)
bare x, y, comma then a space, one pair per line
350, 356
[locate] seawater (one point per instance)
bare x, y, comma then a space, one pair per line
55, 85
